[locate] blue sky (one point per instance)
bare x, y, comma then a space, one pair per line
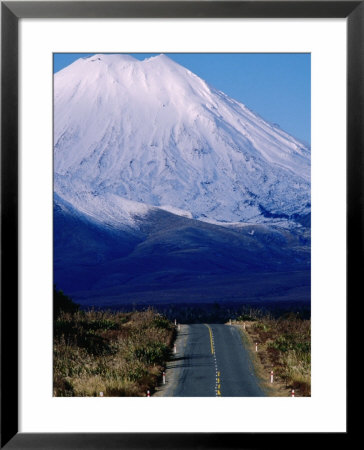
277, 86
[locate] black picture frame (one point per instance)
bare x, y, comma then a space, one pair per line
11, 12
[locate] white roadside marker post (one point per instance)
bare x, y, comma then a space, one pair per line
271, 376
179, 327
230, 321
175, 321
101, 394
175, 349
244, 325
148, 393
256, 346
292, 395
164, 378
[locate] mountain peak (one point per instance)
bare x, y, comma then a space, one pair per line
162, 59
154, 133
110, 58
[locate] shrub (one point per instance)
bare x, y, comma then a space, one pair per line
119, 354
286, 345
62, 303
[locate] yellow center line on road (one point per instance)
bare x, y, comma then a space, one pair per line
218, 391
211, 339
218, 384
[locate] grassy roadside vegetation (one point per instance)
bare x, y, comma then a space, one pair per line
119, 354
284, 346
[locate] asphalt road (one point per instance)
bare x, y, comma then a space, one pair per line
211, 360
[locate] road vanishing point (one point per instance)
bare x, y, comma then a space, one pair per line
210, 361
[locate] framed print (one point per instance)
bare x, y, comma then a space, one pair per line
156, 221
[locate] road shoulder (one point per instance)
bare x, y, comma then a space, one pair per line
174, 366
262, 371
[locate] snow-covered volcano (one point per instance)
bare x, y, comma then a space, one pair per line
133, 135
145, 155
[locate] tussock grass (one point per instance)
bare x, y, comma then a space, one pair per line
284, 346
119, 354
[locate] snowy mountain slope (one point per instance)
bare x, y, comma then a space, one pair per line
176, 258
130, 136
